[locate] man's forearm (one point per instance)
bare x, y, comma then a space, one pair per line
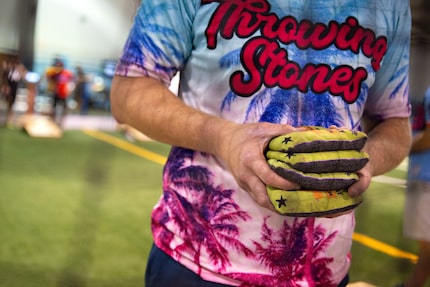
388, 144
149, 106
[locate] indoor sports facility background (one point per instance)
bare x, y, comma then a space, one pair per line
74, 211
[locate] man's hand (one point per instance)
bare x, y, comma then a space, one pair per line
365, 178
242, 147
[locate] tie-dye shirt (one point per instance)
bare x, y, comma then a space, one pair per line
299, 62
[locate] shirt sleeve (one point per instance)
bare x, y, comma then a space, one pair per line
160, 40
389, 96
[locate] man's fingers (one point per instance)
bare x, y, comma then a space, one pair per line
257, 190
269, 177
362, 184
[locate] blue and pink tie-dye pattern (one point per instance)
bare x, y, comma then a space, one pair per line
302, 62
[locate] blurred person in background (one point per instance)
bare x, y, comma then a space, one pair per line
416, 221
4, 86
49, 76
250, 71
82, 90
15, 74
59, 85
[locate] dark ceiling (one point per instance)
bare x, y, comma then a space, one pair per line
420, 21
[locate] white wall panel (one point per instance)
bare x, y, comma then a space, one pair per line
9, 30
82, 31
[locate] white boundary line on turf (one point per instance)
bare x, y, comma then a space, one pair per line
403, 166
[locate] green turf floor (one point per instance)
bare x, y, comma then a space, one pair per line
75, 212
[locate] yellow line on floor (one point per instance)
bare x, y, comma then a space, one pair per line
124, 145
360, 238
383, 247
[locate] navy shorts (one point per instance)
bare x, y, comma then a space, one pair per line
163, 271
